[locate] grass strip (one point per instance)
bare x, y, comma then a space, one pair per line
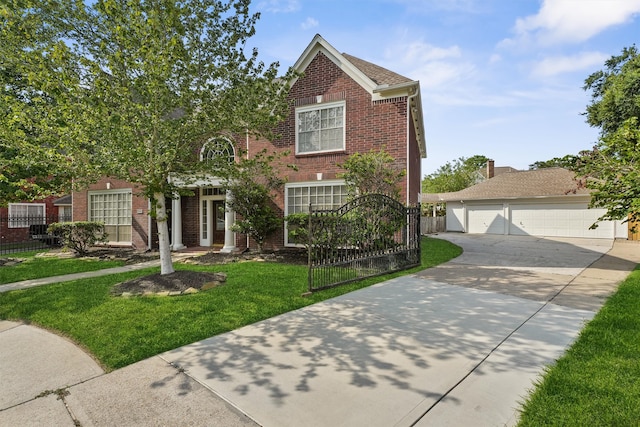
34, 267
120, 331
595, 382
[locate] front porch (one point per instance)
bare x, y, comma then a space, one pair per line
202, 220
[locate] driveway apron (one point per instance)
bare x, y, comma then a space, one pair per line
460, 344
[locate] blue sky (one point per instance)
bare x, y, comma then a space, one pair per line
500, 78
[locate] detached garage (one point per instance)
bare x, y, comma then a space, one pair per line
544, 202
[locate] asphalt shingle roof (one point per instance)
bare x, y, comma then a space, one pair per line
378, 74
534, 183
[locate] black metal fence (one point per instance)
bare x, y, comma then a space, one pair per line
369, 236
26, 233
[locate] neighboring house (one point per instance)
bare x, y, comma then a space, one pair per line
544, 202
65, 208
16, 218
491, 170
341, 105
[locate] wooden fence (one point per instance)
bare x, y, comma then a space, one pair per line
433, 224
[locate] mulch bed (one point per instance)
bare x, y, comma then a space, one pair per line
176, 283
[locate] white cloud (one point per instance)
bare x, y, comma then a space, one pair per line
565, 64
434, 66
279, 6
572, 21
309, 23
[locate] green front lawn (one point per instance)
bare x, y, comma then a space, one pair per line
597, 381
120, 331
37, 267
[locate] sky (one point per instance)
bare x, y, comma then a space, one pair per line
499, 78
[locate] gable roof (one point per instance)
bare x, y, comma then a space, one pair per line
381, 76
533, 183
378, 81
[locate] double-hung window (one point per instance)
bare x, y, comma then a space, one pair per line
323, 195
22, 215
320, 128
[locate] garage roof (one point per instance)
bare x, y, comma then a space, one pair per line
533, 183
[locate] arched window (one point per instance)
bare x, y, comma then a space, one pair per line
217, 148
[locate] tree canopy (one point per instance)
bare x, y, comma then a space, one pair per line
612, 168
567, 162
455, 176
130, 88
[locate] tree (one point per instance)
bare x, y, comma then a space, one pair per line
612, 167
456, 176
34, 130
566, 162
252, 183
372, 172
141, 82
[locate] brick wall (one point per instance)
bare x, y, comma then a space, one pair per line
191, 220
139, 209
369, 125
12, 235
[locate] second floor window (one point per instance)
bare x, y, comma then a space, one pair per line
217, 148
320, 128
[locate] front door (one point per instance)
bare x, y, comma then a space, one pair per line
218, 222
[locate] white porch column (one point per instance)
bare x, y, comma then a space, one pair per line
229, 236
176, 225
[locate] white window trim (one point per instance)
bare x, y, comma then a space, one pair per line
287, 186
16, 221
128, 191
206, 147
324, 106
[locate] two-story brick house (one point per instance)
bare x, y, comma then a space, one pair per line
340, 105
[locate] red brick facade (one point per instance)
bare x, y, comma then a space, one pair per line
11, 233
376, 117
140, 221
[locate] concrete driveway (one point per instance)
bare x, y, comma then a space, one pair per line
460, 344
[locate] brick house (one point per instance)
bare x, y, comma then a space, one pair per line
16, 218
340, 105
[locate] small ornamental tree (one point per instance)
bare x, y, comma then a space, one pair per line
372, 172
252, 184
368, 173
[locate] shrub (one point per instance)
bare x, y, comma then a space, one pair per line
80, 235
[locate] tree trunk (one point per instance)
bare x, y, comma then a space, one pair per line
166, 264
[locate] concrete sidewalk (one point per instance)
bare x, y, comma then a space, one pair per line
459, 344
26, 284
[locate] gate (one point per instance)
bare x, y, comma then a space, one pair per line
371, 235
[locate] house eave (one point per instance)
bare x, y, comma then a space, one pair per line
414, 103
444, 199
319, 44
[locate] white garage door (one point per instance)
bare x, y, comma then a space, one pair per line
558, 220
488, 219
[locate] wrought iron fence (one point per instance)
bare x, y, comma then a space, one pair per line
369, 236
26, 233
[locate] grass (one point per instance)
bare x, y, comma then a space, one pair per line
121, 331
596, 382
34, 267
